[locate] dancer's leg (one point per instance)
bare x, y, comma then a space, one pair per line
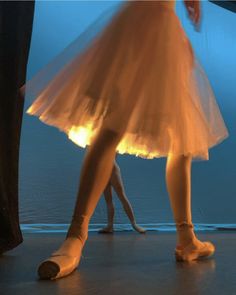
95, 174
178, 178
110, 210
117, 183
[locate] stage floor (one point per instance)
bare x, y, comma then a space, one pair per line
122, 264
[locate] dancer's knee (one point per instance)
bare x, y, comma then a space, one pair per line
112, 136
180, 158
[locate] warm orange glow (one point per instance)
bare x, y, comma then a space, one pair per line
125, 147
82, 136
30, 110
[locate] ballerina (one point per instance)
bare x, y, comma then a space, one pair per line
116, 182
136, 89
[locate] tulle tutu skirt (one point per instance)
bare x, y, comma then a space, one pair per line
136, 75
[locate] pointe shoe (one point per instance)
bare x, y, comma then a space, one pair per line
192, 252
106, 230
58, 266
195, 249
138, 228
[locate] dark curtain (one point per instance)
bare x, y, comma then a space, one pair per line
16, 18
230, 5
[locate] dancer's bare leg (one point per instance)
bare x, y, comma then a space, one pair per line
178, 178
96, 171
110, 210
117, 183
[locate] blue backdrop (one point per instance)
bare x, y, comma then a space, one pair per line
50, 164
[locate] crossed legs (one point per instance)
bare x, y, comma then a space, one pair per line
117, 183
95, 175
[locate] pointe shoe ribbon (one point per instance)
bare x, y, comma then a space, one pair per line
192, 252
58, 265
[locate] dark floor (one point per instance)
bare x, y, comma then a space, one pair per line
123, 264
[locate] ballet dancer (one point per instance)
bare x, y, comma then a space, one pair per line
136, 89
116, 182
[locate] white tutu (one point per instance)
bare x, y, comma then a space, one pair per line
138, 76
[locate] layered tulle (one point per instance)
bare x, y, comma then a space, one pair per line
138, 76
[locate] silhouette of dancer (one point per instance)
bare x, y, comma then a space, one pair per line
116, 182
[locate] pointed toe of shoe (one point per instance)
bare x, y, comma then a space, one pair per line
48, 270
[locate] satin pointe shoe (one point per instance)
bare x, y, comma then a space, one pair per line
192, 252
58, 265
195, 249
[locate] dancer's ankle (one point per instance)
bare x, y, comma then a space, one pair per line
185, 233
133, 223
79, 228
110, 228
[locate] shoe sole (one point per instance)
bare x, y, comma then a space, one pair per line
204, 255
